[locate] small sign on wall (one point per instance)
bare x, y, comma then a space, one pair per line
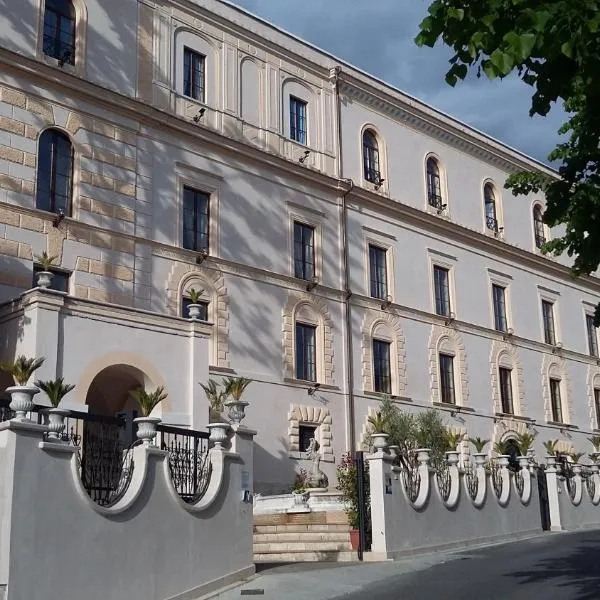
388, 484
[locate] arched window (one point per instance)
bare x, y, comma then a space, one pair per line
489, 196
371, 157
434, 188
55, 172
59, 30
538, 226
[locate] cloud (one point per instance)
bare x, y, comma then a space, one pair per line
378, 37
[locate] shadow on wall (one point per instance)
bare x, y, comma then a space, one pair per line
577, 572
271, 470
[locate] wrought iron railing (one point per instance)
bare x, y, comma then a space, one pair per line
520, 481
590, 483
412, 481
495, 471
492, 223
472, 480
189, 462
540, 240
442, 474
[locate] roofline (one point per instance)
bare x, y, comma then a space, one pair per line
405, 96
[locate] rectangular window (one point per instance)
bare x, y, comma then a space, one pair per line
597, 406
304, 251
499, 297
193, 74
185, 313
548, 318
556, 400
381, 367
306, 434
448, 395
306, 364
60, 279
195, 219
59, 31
441, 281
592, 335
378, 268
298, 120
506, 394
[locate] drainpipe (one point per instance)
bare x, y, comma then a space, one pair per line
345, 280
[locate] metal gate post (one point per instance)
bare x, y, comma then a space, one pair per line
362, 513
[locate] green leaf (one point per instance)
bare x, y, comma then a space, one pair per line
540, 18
503, 62
456, 13
567, 49
522, 45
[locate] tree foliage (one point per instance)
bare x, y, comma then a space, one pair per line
554, 47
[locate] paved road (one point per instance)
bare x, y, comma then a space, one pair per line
563, 566
557, 567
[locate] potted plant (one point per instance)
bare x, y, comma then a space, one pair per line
379, 437
480, 456
216, 400
595, 441
194, 307
346, 484
299, 490
550, 447
236, 407
44, 277
453, 440
525, 443
147, 402
22, 394
56, 390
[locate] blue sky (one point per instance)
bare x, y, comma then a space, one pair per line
377, 36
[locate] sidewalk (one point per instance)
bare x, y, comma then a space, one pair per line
322, 581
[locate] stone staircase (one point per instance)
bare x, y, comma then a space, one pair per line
304, 537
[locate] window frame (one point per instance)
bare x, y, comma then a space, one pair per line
197, 246
381, 377
55, 136
374, 282
500, 309
304, 275
447, 378
58, 31
539, 239
440, 197
492, 220
549, 322
555, 392
371, 157
592, 335
314, 429
506, 389
297, 134
437, 301
312, 371
596, 393
194, 54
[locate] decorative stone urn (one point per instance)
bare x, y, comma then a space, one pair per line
146, 429
44, 279
194, 310
595, 469
503, 460
423, 455
551, 461
300, 499
379, 441
393, 450
480, 458
576, 469
21, 400
56, 423
595, 456
218, 433
453, 456
523, 461
236, 410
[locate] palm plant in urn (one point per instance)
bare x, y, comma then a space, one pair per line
379, 435
22, 394
216, 396
44, 277
236, 407
194, 307
147, 402
56, 390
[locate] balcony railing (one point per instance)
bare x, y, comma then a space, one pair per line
492, 223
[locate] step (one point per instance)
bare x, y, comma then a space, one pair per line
301, 528
278, 547
305, 537
284, 557
312, 518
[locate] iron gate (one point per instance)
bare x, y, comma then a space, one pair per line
543, 493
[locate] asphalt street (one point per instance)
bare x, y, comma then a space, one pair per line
559, 566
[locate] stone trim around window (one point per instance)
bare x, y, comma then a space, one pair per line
505, 355
310, 415
386, 327
184, 276
593, 381
555, 367
317, 312
447, 339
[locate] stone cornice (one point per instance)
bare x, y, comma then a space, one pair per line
426, 119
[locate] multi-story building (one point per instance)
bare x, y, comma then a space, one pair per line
349, 240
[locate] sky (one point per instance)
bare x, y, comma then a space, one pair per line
378, 37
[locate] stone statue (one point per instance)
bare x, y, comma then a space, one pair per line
316, 478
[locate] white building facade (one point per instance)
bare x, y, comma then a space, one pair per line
349, 241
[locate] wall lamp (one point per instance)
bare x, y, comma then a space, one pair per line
196, 118
312, 390
303, 158
450, 319
386, 303
557, 348
312, 284
202, 256
442, 208
58, 219
379, 184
